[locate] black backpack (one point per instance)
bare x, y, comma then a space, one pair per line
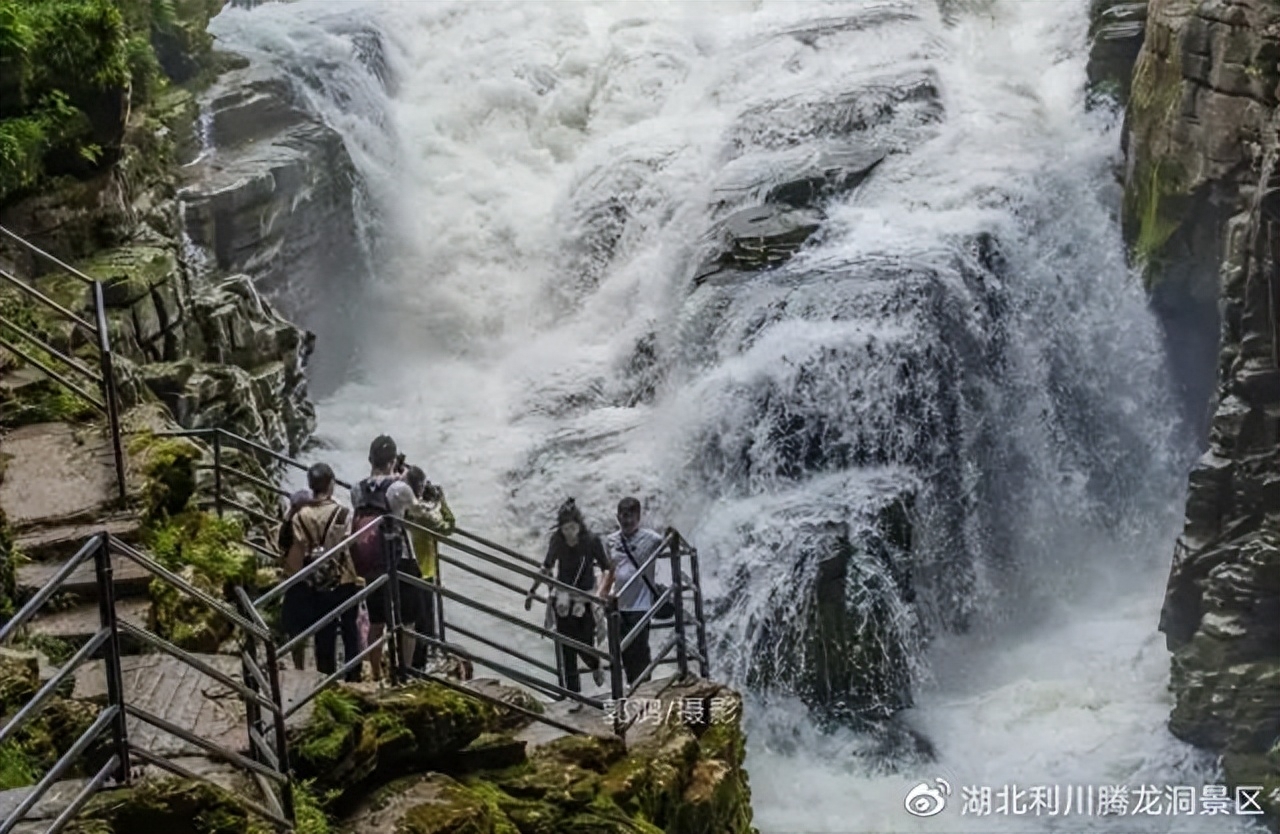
368, 551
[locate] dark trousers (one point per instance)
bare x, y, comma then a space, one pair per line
635, 658
582, 629
425, 625
327, 637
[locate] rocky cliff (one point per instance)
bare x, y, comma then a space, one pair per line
218, 195
1202, 214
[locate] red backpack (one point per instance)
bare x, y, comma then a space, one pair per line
370, 548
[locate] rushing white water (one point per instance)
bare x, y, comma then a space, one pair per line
539, 181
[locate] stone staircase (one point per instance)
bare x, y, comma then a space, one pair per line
57, 489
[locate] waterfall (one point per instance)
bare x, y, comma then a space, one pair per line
929, 455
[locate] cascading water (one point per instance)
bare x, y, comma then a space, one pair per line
946, 414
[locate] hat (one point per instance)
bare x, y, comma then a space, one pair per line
382, 451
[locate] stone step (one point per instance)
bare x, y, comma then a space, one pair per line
61, 540
76, 625
129, 578
53, 803
56, 473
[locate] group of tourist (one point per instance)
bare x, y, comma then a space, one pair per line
316, 524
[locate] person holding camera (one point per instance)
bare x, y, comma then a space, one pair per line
575, 552
431, 512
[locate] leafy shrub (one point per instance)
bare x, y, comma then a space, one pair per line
69, 72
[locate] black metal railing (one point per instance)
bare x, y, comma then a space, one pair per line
266, 759
500, 568
74, 375
267, 765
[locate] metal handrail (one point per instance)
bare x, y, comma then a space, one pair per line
105, 378
156, 569
351, 602
178, 770
57, 377
50, 588
48, 348
462, 549
648, 617
60, 767
644, 566
51, 686
74, 318
36, 250
307, 570
266, 450
569, 642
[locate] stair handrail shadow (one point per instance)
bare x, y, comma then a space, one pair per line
104, 378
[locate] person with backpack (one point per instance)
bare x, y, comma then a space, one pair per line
575, 552
383, 494
629, 547
432, 512
317, 527
298, 606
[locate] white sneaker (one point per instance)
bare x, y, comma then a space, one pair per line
597, 675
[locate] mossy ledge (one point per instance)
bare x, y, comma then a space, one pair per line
396, 762
403, 758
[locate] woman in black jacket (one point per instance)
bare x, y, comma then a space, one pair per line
575, 552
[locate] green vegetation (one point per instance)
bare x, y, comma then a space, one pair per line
16, 768
170, 475
41, 399
8, 565
209, 553
1154, 206
72, 70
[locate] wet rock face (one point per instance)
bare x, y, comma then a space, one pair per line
842, 628
1203, 149
271, 196
1115, 33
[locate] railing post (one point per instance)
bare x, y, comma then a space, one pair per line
613, 619
393, 629
695, 574
115, 675
677, 588
109, 394
282, 743
438, 610
253, 710
217, 472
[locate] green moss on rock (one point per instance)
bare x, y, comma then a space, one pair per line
209, 553
38, 745
590, 752
8, 568
455, 810
354, 738
168, 468
171, 806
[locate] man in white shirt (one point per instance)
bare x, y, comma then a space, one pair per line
630, 547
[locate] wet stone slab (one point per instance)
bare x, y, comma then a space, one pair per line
171, 690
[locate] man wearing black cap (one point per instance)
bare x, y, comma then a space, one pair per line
381, 494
